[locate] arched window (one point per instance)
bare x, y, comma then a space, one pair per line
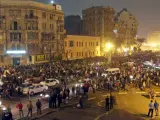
13, 47
18, 47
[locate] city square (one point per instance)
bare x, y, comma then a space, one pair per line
79, 61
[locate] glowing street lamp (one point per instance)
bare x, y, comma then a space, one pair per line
52, 1
109, 46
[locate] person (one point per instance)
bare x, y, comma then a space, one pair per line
54, 100
59, 100
30, 107
151, 108
39, 105
107, 103
20, 107
81, 102
156, 106
111, 101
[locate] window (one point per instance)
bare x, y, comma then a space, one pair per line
96, 43
18, 47
31, 13
82, 54
77, 54
13, 47
71, 43
71, 54
15, 25
82, 44
77, 44
43, 15
51, 16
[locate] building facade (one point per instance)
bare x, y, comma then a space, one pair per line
126, 27
30, 32
73, 25
98, 19
78, 47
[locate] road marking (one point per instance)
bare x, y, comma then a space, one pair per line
99, 103
105, 95
92, 98
122, 93
97, 118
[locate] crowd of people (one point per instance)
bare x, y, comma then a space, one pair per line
131, 73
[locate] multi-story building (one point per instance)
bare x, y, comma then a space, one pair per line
78, 47
99, 21
126, 27
98, 18
73, 25
30, 31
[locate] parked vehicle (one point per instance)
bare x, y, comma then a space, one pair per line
35, 89
50, 82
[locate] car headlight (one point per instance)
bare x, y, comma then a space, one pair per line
76, 85
46, 96
4, 108
41, 95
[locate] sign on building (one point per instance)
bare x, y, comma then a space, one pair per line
40, 58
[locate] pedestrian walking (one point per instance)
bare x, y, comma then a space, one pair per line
107, 103
30, 107
156, 106
38, 105
20, 107
151, 108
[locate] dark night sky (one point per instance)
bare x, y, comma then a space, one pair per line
146, 11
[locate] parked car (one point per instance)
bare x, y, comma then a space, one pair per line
50, 82
35, 89
24, 86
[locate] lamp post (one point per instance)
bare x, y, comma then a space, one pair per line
109, 46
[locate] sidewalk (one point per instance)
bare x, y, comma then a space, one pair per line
47, 110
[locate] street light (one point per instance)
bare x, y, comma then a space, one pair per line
109, 46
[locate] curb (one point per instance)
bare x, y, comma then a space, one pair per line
53, 111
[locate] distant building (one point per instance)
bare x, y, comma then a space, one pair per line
73, 25
126, 27
98, 20
30, 32
78, 47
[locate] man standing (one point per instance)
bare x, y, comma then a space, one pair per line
111, 102
156, 106
39, 105
30, 107
20, 107
59, 100
151, 108
107, 103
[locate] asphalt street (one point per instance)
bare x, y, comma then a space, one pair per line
130, 105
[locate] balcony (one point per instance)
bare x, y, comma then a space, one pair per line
31, 17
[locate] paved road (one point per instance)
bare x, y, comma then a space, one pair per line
130, 106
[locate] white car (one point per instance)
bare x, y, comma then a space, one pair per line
50, 82
36, 89
24, 86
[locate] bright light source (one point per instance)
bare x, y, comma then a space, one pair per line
109, 45
119, 50
153, 45
16, 52
52, 1
115, 31
4, 108
0, 103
